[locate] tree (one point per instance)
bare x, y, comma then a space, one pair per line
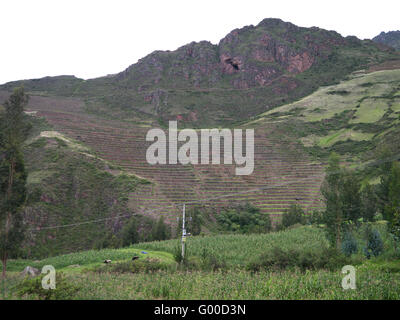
369, 203
244, 219
384, 170
130, 234
161, 232
341, 190
374, 245
195, 221
330, 189
349, 244
293, 215
392, 207
12, 176
350, 196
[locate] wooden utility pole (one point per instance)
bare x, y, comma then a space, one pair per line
183, 233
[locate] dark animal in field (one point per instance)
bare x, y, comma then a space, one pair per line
107, 261
135, 258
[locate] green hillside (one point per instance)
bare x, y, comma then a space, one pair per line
69, 168
68, 184
305, 91
391, 38
354, 118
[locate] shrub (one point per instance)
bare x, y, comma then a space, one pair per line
244, 219
374, 244
349, 245
211, 262
295, 215
178, 254
138, 266
278, 259
315, 217
206, 261
130, 234
64, 289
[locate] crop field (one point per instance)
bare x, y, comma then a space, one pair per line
336, 136
237, 285
371, 110
230, 247
227, 247
376, 279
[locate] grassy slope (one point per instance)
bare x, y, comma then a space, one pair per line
375, 279
68, 184
353, 118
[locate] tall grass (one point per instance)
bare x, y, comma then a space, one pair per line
240, 249
237, 285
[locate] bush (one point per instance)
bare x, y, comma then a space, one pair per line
130, 234
295, 215
64, 289
206, 262
349, 245
244, 219
138, 266
178, 254
374, 244
278, 259
315, 218
210, 262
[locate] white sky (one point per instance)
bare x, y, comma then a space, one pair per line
93, 38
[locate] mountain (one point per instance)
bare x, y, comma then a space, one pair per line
82, 167
391, 39
250, 71
305, 91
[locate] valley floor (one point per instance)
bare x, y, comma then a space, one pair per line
240, 285
158, 276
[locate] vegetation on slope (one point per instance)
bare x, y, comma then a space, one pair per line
391, 38
67, 184
250, 71
354, 118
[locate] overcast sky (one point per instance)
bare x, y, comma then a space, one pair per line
93, 38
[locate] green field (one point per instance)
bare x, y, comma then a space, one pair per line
376, 278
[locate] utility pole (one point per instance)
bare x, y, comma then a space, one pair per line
183, 233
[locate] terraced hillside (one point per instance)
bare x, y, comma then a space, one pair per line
352, 118
283, 174
253, 78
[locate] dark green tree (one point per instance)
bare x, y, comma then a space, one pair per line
13, 130
374, 245
350, 196
195, 221
392, 207
161, 230
341, 190
382, 190
330, 189
130, 233
244, 219
349, 244
293, 215
369, 203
